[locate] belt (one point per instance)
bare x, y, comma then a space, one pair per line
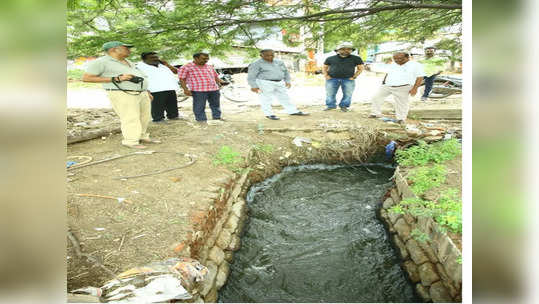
272, 80
402, 85
124, 90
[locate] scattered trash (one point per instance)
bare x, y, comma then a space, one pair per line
157, 282
434, 132
412, 130
390, 149
387, 119
175, 179
448, 136
287, 154
71, 163
298, 140
92, 291
99, 229
119, 199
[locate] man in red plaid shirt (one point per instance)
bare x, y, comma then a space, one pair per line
202, 82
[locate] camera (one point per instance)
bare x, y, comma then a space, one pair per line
136, 79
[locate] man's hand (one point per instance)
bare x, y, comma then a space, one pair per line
187, 92
288, 85
413, 91
256, 90
150, 95
125, 77
163, 62
327, 77
352, 78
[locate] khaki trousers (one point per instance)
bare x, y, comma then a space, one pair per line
401, 100
134, 113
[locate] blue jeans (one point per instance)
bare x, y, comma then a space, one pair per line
347, 87
199, 104
429, 82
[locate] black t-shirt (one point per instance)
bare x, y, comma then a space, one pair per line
340, 67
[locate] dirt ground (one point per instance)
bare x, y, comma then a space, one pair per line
155, 213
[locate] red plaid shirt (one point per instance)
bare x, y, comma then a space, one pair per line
199, 78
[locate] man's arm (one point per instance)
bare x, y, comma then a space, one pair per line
417, 83
184, 87
359, 69
173, 69
252, 72
86, 77
325, 70
286, 76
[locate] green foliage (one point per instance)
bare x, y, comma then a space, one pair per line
446, 211
227, 157
419, 236
180, 27
422, 153
426, 178
264, 148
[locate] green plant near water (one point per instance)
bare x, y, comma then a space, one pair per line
426, 178
446, 211
264, 148
227, 157
424, 153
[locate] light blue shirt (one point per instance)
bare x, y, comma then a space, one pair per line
262, 69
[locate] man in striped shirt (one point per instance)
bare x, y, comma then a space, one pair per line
202, 82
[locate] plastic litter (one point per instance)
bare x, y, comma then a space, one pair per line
299, 140
390, 149
153, 283
71, 163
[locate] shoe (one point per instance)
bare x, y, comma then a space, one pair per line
400, 122
164, 122
300, 114
135, 146
177, 118
272, 117
424, 98
202, 122
221, 119
373, 116
150, 141
329, 109
343, 109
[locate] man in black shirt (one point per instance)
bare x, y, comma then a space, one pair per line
341, 70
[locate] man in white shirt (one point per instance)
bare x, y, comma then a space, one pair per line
402, 79
162, 83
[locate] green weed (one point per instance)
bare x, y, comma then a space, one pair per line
426, 178
419, 236
422, 153
227, 157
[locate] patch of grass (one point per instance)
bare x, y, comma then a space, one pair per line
264, 148
422, 153
426, 178
446, 211
227, 157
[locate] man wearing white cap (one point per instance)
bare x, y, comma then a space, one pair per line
341, 71
127, 89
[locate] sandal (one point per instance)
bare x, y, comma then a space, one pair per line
150, 141
138, 146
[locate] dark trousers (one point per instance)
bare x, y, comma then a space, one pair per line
164, 101
199, 104
429, 82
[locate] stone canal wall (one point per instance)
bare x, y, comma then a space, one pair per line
433, 264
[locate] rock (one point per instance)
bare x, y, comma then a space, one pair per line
197, 299
409, 219
217, 255
222, 275
428, 274
383, 215
393, 217
402, 229
211, 297
238, 208
229, 256
388, 203
224, 239
423, 292
411, 269
209, 281
395, 195
235, 243
428, 251
402, 248
439, 294
416, 253
232, 223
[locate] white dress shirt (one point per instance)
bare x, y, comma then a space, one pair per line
407, 73
160, 78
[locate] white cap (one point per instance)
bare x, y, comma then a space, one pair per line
345, 45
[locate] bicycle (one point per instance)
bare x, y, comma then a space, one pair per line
445, 86
233, 91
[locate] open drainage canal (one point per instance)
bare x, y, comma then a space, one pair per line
313, 236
